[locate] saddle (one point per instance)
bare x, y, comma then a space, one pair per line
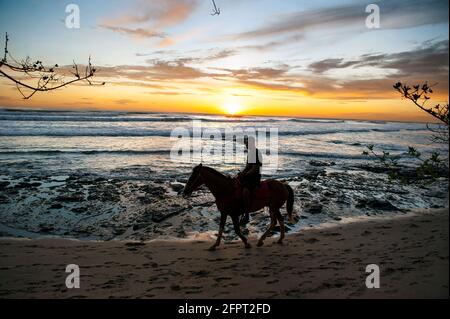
258, 193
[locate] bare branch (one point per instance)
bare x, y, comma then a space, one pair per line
44, 78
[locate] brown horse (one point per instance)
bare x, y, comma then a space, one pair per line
224, 190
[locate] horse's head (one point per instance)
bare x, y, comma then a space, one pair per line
194, 182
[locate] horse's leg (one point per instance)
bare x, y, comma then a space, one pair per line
281, 221
237, 230
223, 219
273, 222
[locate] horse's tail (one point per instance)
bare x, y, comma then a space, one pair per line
290, 202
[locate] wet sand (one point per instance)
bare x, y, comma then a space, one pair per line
411, 250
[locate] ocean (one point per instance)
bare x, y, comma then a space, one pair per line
129, 145
110, 175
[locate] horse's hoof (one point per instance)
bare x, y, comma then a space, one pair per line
248, 246
260, 243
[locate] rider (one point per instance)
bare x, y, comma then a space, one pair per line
250, 177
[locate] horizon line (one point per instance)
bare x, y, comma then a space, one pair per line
43, 109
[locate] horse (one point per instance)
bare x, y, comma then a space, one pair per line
223, 189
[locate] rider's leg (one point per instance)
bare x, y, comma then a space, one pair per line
246, 198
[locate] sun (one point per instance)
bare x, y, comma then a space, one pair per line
232, 108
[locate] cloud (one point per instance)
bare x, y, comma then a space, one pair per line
430, 59
156, 70
256, 73
200, 56
395, 15
273, 44
329, 64
427, 62
124, 101
137, 32
155, 15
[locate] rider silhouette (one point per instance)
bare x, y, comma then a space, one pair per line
250, 177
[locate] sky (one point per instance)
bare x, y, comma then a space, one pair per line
262, 57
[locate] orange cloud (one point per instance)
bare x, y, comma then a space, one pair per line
156, 15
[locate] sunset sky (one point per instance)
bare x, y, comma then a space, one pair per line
265, 57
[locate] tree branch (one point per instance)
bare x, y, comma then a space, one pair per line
46, 78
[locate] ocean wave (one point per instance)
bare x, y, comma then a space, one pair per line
167, 133
84, 152
325, 121
338, 131
326, 155
125, 119
167, 152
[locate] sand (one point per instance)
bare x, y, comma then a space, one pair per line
411, 251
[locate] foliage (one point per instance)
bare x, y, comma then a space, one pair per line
429, 168
433, 165
419, 94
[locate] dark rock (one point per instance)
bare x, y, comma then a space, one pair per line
313, 174
321, 163
144, 199
23, 185
118, 231
139, 226
328, 193
437, 194
75, 197
104, 193
56, 206
44, 228
375, 203
153, 190
177, 187
158, 217
313, 208
3, 184
3, 199
12, 191
79, 210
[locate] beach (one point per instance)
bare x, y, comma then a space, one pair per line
411, 251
